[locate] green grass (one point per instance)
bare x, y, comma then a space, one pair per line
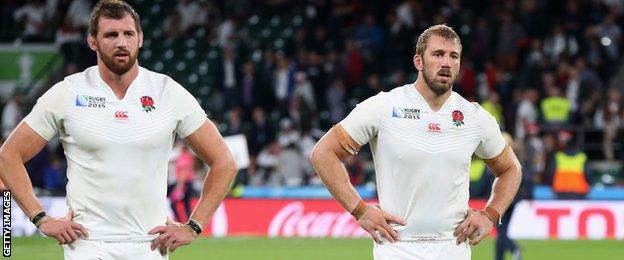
326, 249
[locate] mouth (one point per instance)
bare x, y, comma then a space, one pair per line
446, 76
122, 55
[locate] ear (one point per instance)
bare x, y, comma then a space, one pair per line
140, 39
92, 42
418, 62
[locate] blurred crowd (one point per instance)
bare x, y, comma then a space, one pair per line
543, 69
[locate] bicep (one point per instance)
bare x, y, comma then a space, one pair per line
208, 143
503, 162
24, 143
337, 142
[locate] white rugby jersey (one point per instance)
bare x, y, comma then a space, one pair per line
117, 150
422, 158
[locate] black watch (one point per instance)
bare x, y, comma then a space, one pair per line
195, 226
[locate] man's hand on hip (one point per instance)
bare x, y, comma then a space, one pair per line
172, 236
63, 229
377, 222
475, 227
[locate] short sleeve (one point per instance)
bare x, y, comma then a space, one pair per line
190, 114
47, 114
492, 142
362, 124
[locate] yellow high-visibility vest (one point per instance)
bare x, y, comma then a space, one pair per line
477, 166
555, 109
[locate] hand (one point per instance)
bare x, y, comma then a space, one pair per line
476, 226
171, 236
63, 229
376, 222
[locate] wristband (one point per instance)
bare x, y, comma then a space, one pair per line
38, 217
194, 225
359, 210
493, 215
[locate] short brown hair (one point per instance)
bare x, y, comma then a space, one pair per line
441, 30
115, 9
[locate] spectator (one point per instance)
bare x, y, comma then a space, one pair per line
608, 118
336, 100
303, 89
535, 153
260, 132
282, 81
11, 114
267, 164
555, 108
33, 17
568, 170
183, 189
228, 78
527, 113
250, 88
493, 106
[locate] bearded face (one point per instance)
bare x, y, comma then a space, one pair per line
120, 61
439, 81
117, 43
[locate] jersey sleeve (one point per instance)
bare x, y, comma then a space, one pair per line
492, 142
49, 111
362, 124
190, 114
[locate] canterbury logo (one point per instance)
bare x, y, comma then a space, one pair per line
434, 127
121, 115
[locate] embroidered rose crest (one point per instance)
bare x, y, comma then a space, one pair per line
147, 103
458, 118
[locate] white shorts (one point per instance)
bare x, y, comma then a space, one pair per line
101, 250
430, 250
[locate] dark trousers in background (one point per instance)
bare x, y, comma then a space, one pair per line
503, 242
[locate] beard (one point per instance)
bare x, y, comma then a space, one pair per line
436, 86
116, 67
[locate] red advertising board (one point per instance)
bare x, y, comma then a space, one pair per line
287, 218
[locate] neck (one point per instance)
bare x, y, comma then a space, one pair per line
118, 83
434, 99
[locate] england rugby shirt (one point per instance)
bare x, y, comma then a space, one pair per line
422, 158
117, 150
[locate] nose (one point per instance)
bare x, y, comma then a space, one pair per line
446, 61
122, 42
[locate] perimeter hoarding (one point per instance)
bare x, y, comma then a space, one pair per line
325, 218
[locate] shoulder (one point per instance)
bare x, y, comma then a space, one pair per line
376, 100
384, 97
156, 79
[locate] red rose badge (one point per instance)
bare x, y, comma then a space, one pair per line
147, 103
458, 118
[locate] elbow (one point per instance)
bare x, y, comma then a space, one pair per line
231, 167
316, 156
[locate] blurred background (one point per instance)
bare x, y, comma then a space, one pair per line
275, 75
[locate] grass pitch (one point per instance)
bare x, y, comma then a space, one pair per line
39, 248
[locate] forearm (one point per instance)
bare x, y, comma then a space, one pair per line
15, 178
216, 186
504, 189
335, 177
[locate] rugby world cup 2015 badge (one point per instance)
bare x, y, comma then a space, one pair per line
406, 113
90, 101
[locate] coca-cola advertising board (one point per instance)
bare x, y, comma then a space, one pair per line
287, 218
